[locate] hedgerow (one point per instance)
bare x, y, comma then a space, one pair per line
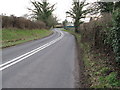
116, 34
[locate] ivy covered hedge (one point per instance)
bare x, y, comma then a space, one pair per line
116, 34
113, 36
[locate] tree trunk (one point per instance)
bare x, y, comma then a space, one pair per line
76, 24
76, 29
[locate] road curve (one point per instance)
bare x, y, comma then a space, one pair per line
52, 67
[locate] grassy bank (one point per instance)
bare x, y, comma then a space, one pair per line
98, 72
12, 37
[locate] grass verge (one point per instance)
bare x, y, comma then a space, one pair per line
11, 37
97, 72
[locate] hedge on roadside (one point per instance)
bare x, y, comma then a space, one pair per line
21, 23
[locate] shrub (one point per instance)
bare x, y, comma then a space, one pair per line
104, 33
21, 23
112, 80
116, 34
96, 30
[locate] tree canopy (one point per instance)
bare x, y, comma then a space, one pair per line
43, 11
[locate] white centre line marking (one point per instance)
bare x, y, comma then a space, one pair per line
26, 55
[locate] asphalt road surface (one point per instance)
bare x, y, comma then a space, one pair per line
49, 65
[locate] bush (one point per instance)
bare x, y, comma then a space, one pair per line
96, 30
116, 34
109, 80
104, 33
113, 37
21, 23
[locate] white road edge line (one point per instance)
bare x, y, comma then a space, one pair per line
26, 55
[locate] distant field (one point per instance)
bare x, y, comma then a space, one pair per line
12, 37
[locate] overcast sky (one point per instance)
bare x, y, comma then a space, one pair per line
19, 7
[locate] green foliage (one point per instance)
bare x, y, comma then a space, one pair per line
117, 5
112, 79
109, 80
112, 33
116, 34
106, 6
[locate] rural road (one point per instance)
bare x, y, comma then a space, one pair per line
50, 66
